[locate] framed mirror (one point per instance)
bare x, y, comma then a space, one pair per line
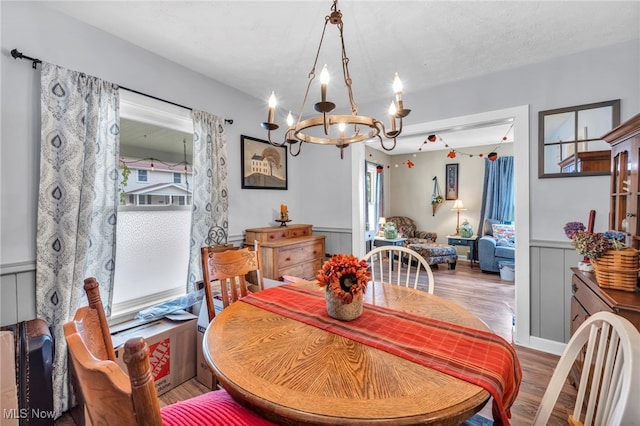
570, 141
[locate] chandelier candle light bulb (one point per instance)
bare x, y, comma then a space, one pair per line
272, 106
397, 89
324, 80
392, 115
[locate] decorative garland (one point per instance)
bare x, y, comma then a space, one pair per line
491, 155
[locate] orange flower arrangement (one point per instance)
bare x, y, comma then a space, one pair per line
345, 276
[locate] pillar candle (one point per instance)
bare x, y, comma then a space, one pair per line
592, 219
283, 208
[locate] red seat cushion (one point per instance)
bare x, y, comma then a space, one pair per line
211, 408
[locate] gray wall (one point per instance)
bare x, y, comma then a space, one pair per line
40, 32
319, 182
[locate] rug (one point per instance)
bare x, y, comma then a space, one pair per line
478, 420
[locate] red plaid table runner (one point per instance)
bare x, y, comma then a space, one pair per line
478, 357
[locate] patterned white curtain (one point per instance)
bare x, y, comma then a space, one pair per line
210, 187
77, 201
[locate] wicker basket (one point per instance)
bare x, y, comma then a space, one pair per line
617, 269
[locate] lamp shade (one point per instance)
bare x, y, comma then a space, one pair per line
382, 221
458, 205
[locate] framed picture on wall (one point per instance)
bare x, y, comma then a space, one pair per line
264, 166
451, 171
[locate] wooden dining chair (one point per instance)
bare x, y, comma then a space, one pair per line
405, 272
607, 346
230, 268
204, 262
113, 397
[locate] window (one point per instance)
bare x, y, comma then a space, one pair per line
177, 178
154, 216
373, 194
570, 141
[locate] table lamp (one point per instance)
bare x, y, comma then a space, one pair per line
381, 223
458, 206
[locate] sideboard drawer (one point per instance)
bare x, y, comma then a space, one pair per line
299, 253
578, 315
457, 242
276, 233
302, 231
307, 271
587, 299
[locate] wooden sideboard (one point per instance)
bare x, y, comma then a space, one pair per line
589, 298
288, 250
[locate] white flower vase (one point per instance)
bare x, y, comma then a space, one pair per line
585, 266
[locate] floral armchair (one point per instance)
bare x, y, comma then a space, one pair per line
407, 228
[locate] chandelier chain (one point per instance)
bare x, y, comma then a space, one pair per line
346, 74
312, 73
304, 128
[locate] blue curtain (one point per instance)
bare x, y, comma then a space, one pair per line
498, 194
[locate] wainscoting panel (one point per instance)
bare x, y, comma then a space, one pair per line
18, 281
551, 289
338, 240
17, 293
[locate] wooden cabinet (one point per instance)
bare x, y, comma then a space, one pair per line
288, 250
588, 161
592, 298
589, 298
625, 184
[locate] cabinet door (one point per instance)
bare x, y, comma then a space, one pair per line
620, 189
633, 219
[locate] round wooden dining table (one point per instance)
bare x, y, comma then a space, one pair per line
294, 373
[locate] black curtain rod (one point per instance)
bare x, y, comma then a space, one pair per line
35, 61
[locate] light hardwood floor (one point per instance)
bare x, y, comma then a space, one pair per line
492, 300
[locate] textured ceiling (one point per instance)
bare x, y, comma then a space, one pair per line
260, 46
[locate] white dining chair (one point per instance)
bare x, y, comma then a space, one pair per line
610, 379
405, 272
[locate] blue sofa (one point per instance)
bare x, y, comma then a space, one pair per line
493, 249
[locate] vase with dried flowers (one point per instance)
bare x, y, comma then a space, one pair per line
615, 265
582, 243
345, 278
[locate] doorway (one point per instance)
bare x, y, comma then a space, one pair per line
520, 116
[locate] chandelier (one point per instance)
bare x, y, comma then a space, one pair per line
338, 130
